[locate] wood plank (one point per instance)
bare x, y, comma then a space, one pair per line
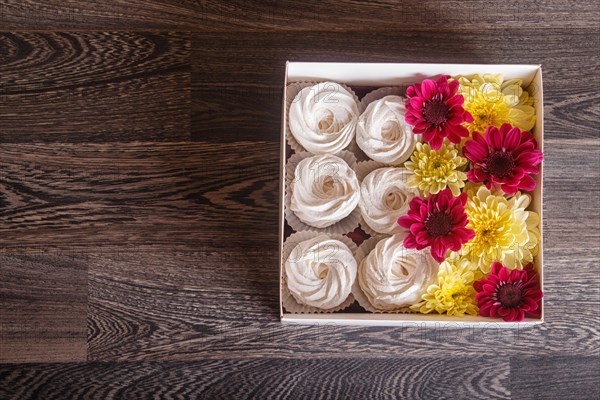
102, 86
192, 195
238, 77
224, 303
402, 377
186, 195
295, 15
551, 377
43, 309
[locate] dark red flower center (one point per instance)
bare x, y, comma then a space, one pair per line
438, 224
500, 164
435, 111
510, 295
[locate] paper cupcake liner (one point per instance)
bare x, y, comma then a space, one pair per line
358, 152
347, 224
381, 93
363, 250
288, 300
291, 91
364, 168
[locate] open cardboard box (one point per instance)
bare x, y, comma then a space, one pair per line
375, 75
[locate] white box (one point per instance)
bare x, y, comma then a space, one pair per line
379, 75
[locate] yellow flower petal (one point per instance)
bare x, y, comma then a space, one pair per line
454, 293
434, 170
504, 230
493, 102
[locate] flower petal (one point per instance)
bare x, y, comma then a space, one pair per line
428, 89
494, 138
512, 139
503, 274
475, 151
410, 242
438, 251
497, 267
527, 183
436, 142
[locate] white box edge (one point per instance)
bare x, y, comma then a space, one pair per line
429, 320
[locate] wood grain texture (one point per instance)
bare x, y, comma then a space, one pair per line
192, 195
154, 257
294, 15
238, 86
64, 87
186, 195
563, 377
223, 304
403, 377
43, 308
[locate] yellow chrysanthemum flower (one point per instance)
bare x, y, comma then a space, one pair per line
493, 101
434, 170
471, 189
454, 293
504, 230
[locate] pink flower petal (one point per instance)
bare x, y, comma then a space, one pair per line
485, 310
494, 312
512, 139
493, 137
422, 127
527, 183
504, 129
416, 103
489, 288
410, 242
465, 234
436, 142
503, 274
422, 238
509, 189
416, 227
529, 304
467, 117
479, 138
529, 157
444, 90
428, 89
453, 87
475, 151
406, 221
411, 119
503, 311
497, 267
438, 251
455, 101
520, 315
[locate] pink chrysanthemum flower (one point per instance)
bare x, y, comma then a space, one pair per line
438, 221
436, 111
505, 157
508, 294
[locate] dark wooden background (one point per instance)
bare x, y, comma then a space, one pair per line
138, 201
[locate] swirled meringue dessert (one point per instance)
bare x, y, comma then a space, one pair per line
384, 197
323, 118
382, 133
393, 277
325, 190
320, 272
